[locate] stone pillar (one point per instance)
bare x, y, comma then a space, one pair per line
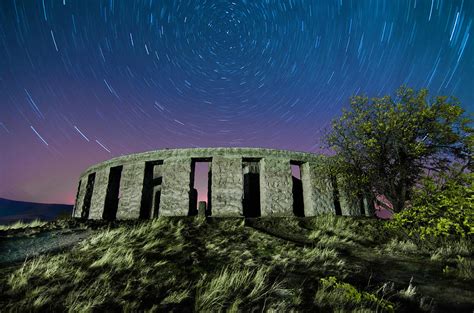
276, 195
80, 197
175, 187
317, 190
350, 204
98, 194
227, 186
130, 194
308, 193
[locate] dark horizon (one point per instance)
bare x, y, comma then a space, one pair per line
16, 200
12, 211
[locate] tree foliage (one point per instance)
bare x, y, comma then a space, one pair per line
386, 144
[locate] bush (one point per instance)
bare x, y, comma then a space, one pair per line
439, 211
335, 294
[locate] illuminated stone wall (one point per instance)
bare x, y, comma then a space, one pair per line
167, 189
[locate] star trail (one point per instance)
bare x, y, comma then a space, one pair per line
84, 81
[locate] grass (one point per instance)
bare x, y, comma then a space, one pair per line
346, 229
194, 264
463, 268
110, 264
237, 289
455, 255
409, 292
452, 249
22, 225
400, 247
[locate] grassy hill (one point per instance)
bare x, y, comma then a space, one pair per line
185, 264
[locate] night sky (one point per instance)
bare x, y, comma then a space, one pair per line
84, 81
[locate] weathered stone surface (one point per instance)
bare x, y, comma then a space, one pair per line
80, 197
175, 187
130, 194
98, 194
86, 202
157, 171
271, 184
227, 186
276, 187
317, 190
309, 199
202, 153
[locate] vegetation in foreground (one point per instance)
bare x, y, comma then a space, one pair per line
22, 225
273, 265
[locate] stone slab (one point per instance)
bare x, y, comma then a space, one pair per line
130, 193
317, 190
276, 196
98, 194
80, 198
175, 187
227, 186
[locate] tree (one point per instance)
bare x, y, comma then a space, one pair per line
387, 144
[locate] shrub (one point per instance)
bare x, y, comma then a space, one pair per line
335, 294
439, 211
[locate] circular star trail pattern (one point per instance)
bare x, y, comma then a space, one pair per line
83, 81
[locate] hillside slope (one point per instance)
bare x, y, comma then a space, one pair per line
188, 264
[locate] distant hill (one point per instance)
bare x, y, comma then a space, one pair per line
12, 210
